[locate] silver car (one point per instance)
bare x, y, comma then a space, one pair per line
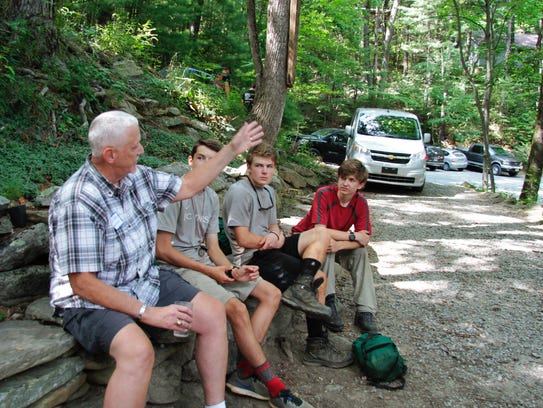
454, 160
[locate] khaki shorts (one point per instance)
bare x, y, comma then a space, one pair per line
224, 293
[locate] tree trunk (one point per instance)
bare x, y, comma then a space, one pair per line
40, 29
271, 83
483, 106
367, 46
387, 43
530, 188
197, 22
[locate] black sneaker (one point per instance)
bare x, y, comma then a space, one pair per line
334, 324
286, 399
300, 296
320, 352
366, 322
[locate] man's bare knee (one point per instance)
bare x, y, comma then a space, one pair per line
132, 348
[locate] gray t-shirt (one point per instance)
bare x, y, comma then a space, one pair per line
245, 206
190, 220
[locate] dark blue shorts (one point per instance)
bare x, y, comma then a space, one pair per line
279, 266
94, 329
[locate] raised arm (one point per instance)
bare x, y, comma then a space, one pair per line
250, 134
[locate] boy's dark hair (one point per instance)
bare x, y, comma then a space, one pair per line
353, 167
212, 144
263, 150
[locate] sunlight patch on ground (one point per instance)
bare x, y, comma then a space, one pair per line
395, 257
479, 218
423, 286
421, 208
519, 285
515, 233
536, 371
466, 246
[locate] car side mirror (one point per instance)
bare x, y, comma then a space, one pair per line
427, 137
349, 130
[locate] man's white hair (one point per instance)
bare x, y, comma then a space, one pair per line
109, 129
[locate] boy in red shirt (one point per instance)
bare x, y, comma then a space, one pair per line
344, 211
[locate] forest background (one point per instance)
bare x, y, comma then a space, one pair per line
453, 63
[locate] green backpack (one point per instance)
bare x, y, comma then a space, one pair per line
224, 243
380, 360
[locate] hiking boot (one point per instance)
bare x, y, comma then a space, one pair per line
334, 324
365, 321
249, 387
300, 296
320, 352
285, 399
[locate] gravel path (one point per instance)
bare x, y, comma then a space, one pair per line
459, 284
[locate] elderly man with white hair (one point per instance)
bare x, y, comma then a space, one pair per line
102, 227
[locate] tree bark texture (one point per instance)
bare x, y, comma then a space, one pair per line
530, 188
271, 89
294, 22
389, 32
41, 39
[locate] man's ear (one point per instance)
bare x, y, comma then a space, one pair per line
362, 185
189, 160
109, 154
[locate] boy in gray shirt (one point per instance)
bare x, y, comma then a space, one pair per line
188, 239
290, 263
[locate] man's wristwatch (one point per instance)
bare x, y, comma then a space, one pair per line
352, 237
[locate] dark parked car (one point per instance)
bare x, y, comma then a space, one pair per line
435, 158
328, 145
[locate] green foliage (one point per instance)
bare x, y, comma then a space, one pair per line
122, 36
12, 189
162, 147
26, 169
7, 73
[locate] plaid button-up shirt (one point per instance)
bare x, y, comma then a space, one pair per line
97, 227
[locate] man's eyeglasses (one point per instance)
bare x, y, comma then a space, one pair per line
260, 208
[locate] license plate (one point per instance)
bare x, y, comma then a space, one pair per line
389, 170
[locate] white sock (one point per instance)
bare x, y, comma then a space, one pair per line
219, 405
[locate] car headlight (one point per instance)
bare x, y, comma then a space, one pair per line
419, 156
358, 148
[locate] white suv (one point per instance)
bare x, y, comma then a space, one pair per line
390, 144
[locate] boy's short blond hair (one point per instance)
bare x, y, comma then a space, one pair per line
353, 167
263, 150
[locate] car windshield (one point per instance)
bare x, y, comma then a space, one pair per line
500, 150
323, 132
389, 126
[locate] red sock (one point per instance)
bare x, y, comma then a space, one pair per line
245, 369
269, 378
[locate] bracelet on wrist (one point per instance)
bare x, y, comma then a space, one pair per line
276, 234
142, 310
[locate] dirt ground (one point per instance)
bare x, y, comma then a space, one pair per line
459, 284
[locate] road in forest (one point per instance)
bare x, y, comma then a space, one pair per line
504, 184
